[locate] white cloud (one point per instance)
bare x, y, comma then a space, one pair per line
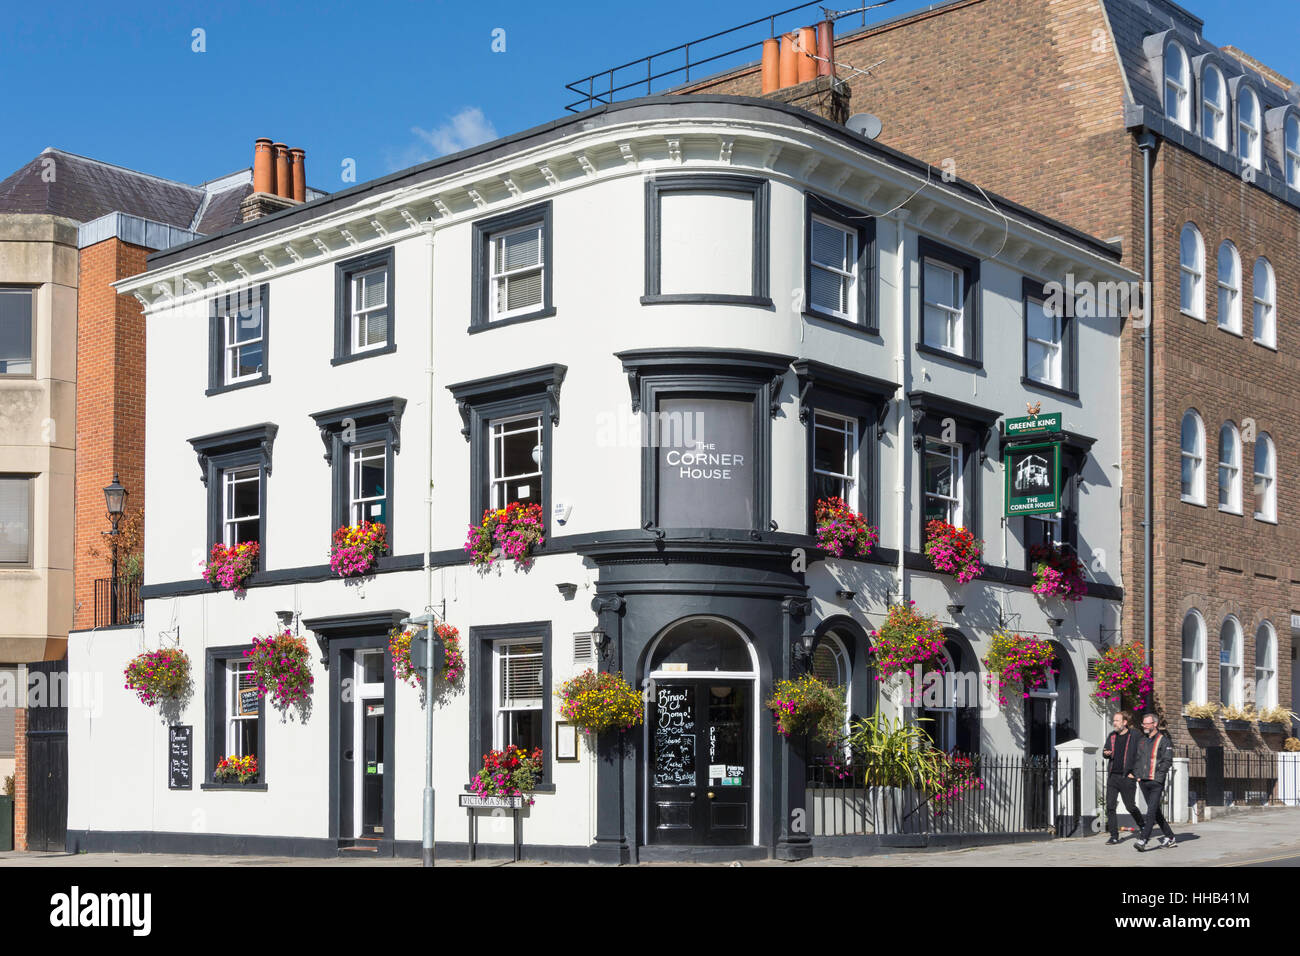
467, 128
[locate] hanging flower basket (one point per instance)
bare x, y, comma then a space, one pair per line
842, 531
1021, 662
512, 772
954, 551
282, 665
235, 769
356, 548
158, 675
1057, 573
808, 705
514, 532
1123, 677
598, 700
453, 657
907, 638
229, 568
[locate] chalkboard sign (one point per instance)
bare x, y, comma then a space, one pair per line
675, 736
250, 703
180, 757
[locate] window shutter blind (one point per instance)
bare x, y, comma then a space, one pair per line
374, 290
521, 676
829, 245
15, 520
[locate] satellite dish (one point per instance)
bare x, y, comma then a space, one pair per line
864, 124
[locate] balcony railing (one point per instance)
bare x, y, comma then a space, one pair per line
129, 609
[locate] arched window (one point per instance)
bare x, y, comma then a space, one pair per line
1229, 468
1265, 478
1229, 288
1291, 146
1248, 126
1265, 667
1230, 662
1191, 267
1177, 86
1214, 107
831, 665
938, 702
1193, 473
1193, 658
1265, 296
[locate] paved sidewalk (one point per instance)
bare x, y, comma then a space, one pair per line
1262, 836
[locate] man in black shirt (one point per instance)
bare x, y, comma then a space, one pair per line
1121, 752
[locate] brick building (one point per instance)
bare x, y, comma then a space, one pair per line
1051, 103
72, 363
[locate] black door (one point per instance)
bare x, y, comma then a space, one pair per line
372, 780
701, 763
1038, 762
47, 756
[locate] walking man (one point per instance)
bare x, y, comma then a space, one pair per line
1154, 757
1121, 751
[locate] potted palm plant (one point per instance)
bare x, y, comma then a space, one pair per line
899, 767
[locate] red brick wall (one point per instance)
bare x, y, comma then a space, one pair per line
20, 778
110, 403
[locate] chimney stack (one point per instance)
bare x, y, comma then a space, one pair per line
279, 179
800, 70
263, 167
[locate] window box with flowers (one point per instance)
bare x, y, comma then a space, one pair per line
597, 701
281, 665
453, 658
513, 532
841, 531
809, 706
229, 568
160, 676
512, 772
1275, 720
1123, 677
1022, 663
953, 550
906, 638
236, 771
356, 548
1057, 573
1237, 719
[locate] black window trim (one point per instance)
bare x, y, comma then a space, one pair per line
481, 259
32, 291
482, 401
219, 308
217, 660
864, 226
863, 399
343, 275
1033, 289
483, 674
969, 266
760, 191
30, 478
239, 448
974, 426
371, 422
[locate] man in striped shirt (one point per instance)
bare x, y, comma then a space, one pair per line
1155, 757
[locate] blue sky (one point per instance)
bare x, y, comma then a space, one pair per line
386, 84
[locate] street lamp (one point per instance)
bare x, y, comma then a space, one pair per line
115, 499
425, 622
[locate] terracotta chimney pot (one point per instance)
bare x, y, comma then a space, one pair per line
298, 162
807, 66
283, 183
771, 65
263, 166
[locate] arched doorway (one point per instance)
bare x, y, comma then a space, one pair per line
701, 746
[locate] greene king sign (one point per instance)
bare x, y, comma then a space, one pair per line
1033, 479
1047, 423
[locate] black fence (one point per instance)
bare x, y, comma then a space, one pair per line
1222, 778
997, 794
129, 608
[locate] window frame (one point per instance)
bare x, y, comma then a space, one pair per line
1267, 631
217, 718
1234, 504
220, 308
483, 691
1268, 306
345, 273
31, 521
862, 226
368, 424
10, 288
1033, 290
1235, 668
759, 189
1185, 89
974, 427
1269, 516
1197, 271
228, 521
493, 479
1220, 107
1194, 499
1244, 89
1290, 155
481, 289
1201, 690
1232, 287
222, 451
969, 267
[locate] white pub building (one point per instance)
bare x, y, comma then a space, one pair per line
821, 314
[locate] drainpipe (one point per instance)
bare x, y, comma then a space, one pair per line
427, 848
901, 357
1147, 144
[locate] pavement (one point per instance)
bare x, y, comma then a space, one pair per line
1261, 836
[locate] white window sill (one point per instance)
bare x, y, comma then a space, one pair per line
1231, 331
1265, 345
1192, 315
1229, 511
1193, 501
1263, 520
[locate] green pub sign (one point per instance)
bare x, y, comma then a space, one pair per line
1033, 478
1048, 423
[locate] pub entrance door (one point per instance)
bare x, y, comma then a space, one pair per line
701, 772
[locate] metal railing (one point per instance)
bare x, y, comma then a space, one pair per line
604, 87
1221, 778
129, 610
997, 794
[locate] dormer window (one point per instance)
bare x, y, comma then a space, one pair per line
1248, 127
1177, 86
1214, 107
1291, 146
